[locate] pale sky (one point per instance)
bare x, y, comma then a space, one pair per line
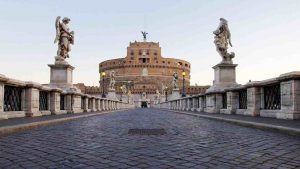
265, 35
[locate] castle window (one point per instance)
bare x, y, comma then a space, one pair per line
131, 52
163, 62
186, 65
147, 52
168, 62
132, 58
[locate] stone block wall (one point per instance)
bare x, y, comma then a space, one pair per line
286, 105
27, 101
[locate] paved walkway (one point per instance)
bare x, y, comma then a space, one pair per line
190, 142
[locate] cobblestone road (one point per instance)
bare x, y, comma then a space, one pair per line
103, 142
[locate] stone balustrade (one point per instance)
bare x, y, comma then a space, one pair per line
30, 99
277, 98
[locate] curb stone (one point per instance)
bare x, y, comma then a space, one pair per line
262, 126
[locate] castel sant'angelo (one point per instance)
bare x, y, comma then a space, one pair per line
143, 75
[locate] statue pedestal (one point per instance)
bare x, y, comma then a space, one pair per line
175, 94
61, 76
112, 94
224, 78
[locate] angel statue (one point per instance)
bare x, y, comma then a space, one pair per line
144, 35
175, 79
112, 80
222, 39
64, 37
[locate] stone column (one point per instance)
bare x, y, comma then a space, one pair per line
76, 103
195, 103
254, 101
86, 104
55, 101
93, 106
97, 101
182, 104
2, 114
187, 104
110, 105
69, 103
113, 105
201, 104
213, 102
32, 100
106, 104
232, 103
290, 99
117, 105
102, 106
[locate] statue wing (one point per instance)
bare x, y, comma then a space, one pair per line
57, 27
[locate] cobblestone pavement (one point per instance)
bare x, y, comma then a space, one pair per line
103, 142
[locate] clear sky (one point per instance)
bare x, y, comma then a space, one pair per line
265, 35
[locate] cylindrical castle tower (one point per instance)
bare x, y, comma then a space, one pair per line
144, 70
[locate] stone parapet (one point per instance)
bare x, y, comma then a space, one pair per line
275, 98
20, 99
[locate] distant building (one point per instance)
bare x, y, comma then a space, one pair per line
144, 71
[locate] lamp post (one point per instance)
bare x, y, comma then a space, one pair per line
183, 85
103, 75
166, 93
121, 92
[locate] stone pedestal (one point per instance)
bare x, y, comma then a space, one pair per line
112, 94
61, 76
224, 77
175, 94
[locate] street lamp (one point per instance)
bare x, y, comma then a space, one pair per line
183, 87
166, 93
121, 92
103, 75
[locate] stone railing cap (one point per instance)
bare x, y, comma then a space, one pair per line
31, 84
45, 88
290, 75
3, 78
15, 82
55, 89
